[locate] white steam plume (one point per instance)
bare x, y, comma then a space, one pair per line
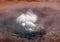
29, 16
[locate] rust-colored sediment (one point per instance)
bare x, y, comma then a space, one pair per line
12, 39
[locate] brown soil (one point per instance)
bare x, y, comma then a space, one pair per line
6, 37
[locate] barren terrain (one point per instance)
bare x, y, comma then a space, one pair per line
51, 9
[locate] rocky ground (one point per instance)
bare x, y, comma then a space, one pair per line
53, 31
